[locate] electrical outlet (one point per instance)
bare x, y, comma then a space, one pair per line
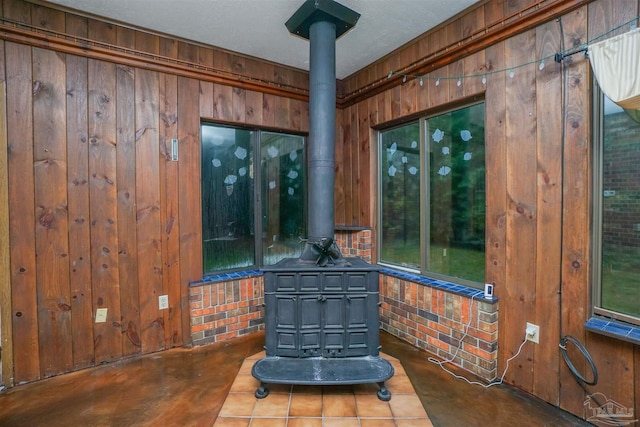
163, 302
101, 315
533, 333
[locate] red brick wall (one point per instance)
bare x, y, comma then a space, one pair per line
354, 243
224, 310
426, 316
622, 209
435, 320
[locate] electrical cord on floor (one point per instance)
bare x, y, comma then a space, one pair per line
455, 353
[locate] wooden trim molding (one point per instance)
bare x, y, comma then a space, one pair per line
43, 38
509, 26
518, 22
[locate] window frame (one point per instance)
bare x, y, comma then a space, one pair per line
424, 146
597, 213
256, 139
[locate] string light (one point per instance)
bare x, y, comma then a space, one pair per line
541, 62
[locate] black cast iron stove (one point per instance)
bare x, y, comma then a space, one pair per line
321, 310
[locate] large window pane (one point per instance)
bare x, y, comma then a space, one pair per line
227, 198
400, 196
620, 267
457, 194
283, 189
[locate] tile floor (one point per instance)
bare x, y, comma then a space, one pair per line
322, 406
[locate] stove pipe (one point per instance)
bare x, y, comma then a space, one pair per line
322, 22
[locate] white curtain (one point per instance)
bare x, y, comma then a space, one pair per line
616, 65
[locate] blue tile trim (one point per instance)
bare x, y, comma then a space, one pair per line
614, 329
440, 284
224, 277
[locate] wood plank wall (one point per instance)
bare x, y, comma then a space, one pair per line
538, 186
121, 224
98, 215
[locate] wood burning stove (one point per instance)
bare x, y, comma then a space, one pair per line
321, 310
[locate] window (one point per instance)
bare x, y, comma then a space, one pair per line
432, 187
616, 283
251, 180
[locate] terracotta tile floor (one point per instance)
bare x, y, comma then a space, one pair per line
322, 406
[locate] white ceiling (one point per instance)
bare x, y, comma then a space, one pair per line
256, 27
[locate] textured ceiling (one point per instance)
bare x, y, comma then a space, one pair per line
256, 27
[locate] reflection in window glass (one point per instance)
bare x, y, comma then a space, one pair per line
452, 189
457, 194
620, 201
227, 198
400, 196
283, 184
235, 203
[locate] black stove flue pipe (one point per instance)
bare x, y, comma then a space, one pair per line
322, 22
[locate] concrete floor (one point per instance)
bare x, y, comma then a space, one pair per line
188, 387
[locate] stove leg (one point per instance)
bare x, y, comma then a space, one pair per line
262, 391
383, 393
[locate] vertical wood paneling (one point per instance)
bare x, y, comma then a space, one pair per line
148, 226
189, 177
238, 105
115, 124
575, 230
103, 197
205, 57
253, 107
78, 201
353, 200
268, 110
365, 147
148, 210
349, 175
126, 184
496, 183
282, 112
103, 205
409, 96
456, 83
176, 323
50, 167
222, 102
6, 330
17, 10
24, 300
394, 98
343, 127
522, 210
422, 93
52, 246
474, 65
79, 214
613, 358
549, 208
